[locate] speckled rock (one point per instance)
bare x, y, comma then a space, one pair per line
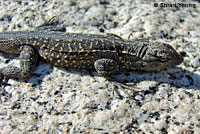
56, 100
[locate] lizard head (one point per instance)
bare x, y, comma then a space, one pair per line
160, 56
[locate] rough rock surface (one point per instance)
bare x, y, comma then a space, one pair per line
56, 100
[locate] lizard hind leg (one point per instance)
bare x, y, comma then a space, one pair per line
28, 60
51, 25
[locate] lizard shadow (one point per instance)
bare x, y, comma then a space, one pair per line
176, 77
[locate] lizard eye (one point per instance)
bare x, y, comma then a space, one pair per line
163, 59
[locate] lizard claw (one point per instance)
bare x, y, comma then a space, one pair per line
124, 87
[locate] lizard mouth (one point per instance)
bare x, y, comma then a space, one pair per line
178, 60
174, 61
157, 63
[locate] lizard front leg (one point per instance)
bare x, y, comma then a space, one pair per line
106, 66
28, 60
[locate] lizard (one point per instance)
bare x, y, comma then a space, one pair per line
107, 54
